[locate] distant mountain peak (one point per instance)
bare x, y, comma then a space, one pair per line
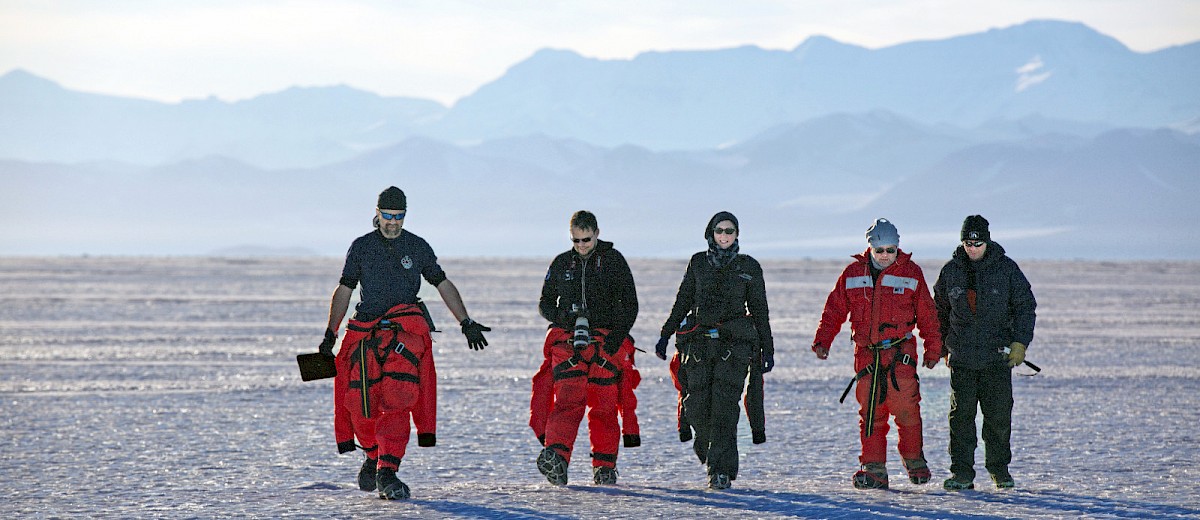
25, 80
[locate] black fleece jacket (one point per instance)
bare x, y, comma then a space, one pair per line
1005, 309
602, 283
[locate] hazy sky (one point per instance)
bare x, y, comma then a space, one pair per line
445, 49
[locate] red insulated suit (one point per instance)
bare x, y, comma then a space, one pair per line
610, 394
880, 310
392, 359
597, 379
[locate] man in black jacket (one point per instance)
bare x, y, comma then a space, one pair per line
590, 300
987, 313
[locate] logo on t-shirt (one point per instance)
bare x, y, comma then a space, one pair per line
406, 262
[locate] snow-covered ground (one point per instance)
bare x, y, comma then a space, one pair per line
168, 387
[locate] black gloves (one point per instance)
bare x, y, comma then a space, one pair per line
660, 348
326, 346
474, 330
768, 360
613, 341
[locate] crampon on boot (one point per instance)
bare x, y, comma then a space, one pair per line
553, 466
719, 481
956, 483
918, 470
872, 475
390, 486
604, 475
1003, 480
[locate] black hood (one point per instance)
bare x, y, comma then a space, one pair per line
712, 223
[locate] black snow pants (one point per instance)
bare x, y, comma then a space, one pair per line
714, 372
989, 390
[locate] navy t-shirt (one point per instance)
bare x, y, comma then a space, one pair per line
390, 271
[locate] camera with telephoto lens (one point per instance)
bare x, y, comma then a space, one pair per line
583, 332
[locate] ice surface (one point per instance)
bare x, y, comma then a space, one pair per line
167, 387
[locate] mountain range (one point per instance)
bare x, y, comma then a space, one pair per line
1073, 145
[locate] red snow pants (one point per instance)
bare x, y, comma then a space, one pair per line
385, 375
905, 405
586, 380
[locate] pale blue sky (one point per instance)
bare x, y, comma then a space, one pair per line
445, 49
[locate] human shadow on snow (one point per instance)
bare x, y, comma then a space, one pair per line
453, 508
801, 505
810, 505
1059, 501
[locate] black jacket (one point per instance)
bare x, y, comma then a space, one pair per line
1005, 309
714, 296
603, 278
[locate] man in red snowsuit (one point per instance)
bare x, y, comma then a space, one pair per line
385, 369
884, 294
590, 300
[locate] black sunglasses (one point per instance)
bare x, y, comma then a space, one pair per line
973, 244
724, 231
392, 216
888, 250
583, 240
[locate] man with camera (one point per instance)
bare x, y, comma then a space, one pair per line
590, 300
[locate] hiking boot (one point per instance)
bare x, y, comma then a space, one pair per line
957, 483
553, 466
918, 470
390, 486
604, 475
366, 475
1003, 479
872, 475
719, 481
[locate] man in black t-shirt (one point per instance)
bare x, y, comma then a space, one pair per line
385, 369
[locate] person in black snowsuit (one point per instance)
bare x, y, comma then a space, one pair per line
721, 323
987, 313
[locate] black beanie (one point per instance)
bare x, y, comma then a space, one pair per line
392, 198
975, 227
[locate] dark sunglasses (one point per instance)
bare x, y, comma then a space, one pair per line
974, 244
583, 240
888, 250
724, 231
391, 216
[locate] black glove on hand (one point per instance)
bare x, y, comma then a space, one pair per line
660, 348
768, 360
613, 341
474, 330
326, 346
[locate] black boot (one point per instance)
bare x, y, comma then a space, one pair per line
390, 486
366, 475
